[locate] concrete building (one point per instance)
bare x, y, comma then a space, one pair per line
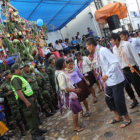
79, 24
86, 19
134, 10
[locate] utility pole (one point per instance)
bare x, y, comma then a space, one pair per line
130, 19
138, 6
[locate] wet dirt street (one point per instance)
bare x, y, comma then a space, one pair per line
96, 126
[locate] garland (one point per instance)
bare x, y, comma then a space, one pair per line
20, 36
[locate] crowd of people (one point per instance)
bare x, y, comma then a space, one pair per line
65, 45
78, 42
67, 79
39, 78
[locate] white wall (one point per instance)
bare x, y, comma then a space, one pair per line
84, 20
136, 21
133, 7
53, 36
80, 24
93, 10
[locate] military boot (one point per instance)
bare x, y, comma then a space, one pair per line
38, 137
48, 114
22, 131
52, 109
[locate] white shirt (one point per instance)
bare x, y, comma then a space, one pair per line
58, 47
135, 43
64, 45
64, 80
86, 65
78, 36
130, 53
110, 67
46, 50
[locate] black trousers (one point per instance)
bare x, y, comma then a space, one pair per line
78, 47
134, 79
115, 99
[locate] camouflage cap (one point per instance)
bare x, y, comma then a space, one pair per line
26, 64
15, 67
6, 72
21, 66
41, 67
51, 59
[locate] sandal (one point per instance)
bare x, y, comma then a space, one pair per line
116, 121
134, 104
81, 114
78, 129
87, 114
125, 124
100, 91
95, 100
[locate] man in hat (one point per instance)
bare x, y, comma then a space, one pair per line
25, 98
33, 83
6, 92
47, 89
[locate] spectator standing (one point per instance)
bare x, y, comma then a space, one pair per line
73, 43
90, 32
135, 42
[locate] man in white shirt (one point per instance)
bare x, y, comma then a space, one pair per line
114, 80
46, 50
58, 46
65, 47
64, 44
134, 41
128, 59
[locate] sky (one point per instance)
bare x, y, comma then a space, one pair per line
132, 5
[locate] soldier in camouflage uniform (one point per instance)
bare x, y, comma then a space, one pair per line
31, 78
51, 74
6, 92
46, 89
26, 100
